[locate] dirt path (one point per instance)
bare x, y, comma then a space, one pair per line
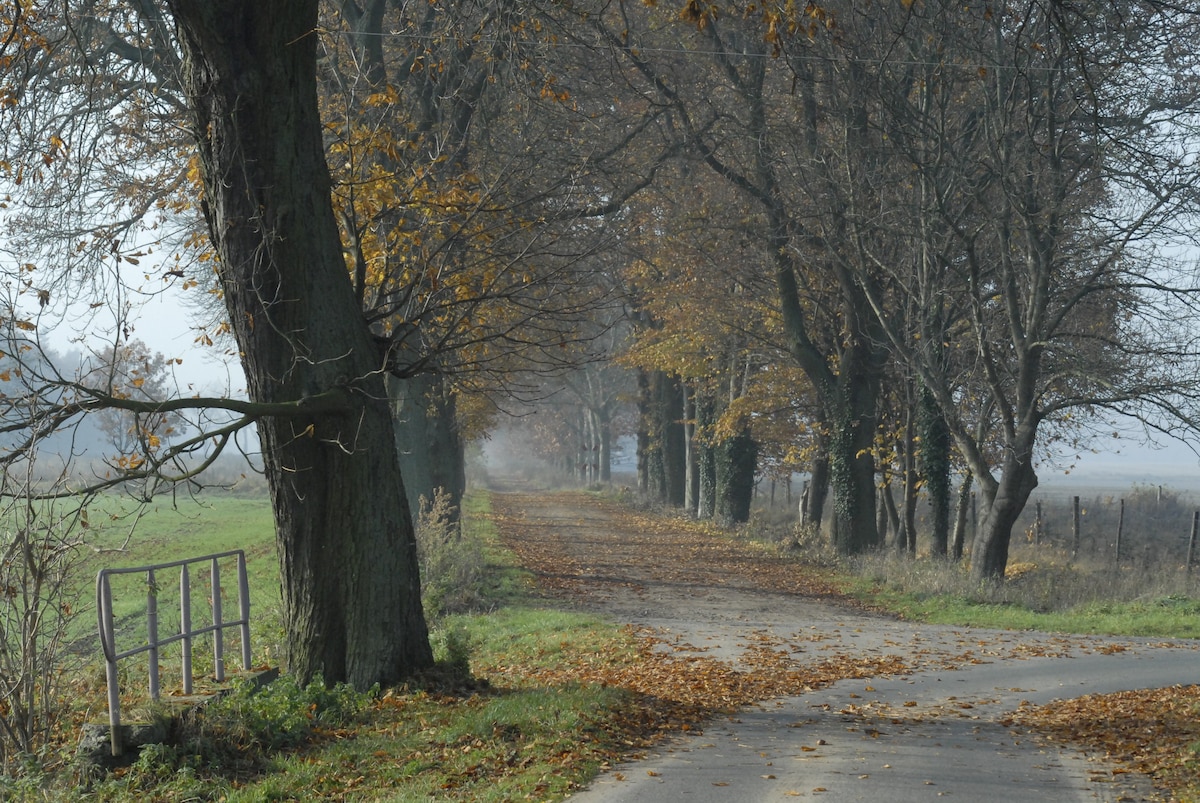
720, 597
932, 726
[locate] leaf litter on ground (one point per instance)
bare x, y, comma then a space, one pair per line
660, 688
1155, 732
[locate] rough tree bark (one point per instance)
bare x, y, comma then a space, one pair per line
736, 461
430, 449
661, 456
818, 488
935, 469
351, 592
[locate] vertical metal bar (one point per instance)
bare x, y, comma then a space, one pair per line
185, 625
152, 630
218, 635
1037, 524
244, 608
1075, 527
104, 597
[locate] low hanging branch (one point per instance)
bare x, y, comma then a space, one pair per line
330, 402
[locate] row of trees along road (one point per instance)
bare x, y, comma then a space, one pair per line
965, 226
838, 231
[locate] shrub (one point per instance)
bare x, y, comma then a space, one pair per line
451, 560
283, 714
235, 736
40, 542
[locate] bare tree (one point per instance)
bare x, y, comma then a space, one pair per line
1038, 169
41, 542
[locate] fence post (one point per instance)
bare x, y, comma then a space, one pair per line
1037, 523
104, 592
244, 608
185, 625
1120, 529
218, 636
1075, 528
152, 630
1192, 542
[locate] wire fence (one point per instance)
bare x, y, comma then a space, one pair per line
1149, 525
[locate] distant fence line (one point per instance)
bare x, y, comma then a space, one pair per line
1146, 526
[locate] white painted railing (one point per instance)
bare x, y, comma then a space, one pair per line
186, 632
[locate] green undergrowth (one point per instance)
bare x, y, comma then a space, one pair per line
498, 721
1165, 617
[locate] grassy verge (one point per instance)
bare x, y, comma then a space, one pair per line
1043, 590
1049, 598
519, 736
1167, 616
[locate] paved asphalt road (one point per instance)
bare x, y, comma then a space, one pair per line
929, 736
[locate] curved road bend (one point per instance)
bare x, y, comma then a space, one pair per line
932, 735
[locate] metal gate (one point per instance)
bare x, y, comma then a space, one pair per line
186, 634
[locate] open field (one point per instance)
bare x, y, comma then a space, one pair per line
124, 536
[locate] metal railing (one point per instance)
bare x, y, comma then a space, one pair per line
186, 632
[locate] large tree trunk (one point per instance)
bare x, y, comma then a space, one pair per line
1003, 503
674, 452
909, 526
664, 454
736, 461
935, 469
849, 397
604, 423
691, 473
644, 446
706, 462
351, 593
818, 487
960, 516
431, 454
852, 463
893, 517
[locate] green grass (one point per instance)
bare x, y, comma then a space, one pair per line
498, 747
1044, 594
1157, 618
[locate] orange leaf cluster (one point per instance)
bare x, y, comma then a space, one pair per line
1153, 731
